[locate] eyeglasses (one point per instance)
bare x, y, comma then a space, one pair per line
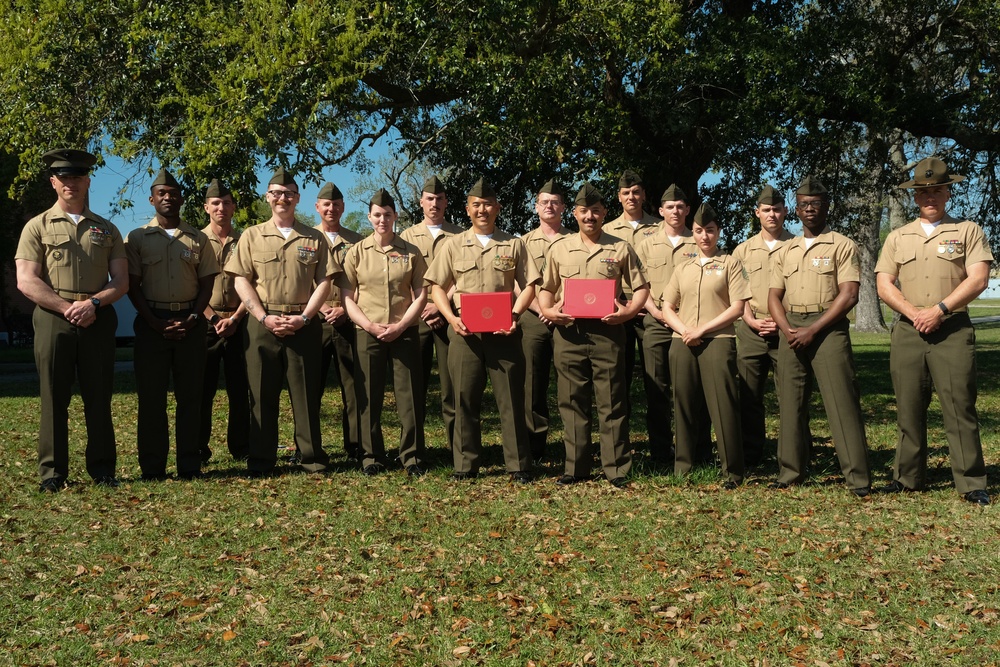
283, 194
810, 205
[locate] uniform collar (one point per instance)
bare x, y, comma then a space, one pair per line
369, 242
757, 240
298, 229
917, 228
59, 214
185, 228
825, 236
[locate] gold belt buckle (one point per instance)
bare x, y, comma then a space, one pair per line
175, 307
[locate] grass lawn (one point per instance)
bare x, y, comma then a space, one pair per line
340, 568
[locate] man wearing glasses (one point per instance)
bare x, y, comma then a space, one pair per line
814, 284
283, 272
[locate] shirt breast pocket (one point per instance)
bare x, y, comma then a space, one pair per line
567, 271
58, 250
267, 266
466, 273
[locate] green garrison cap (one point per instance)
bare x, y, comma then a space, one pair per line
330, 191
165, 178
433, 185
673, 193
69, 162
383, 198
589, 195
812, 186
552, 188
282, 177
483, 190
931, 172
705, 215
217, 189
629, 178
770, 196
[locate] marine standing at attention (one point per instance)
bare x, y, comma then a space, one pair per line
71, 264
226, 323
430, 236
536, 329
941, 264
813, 286
338, 330
384, 293
589, 353
172, 269
282, 271
700, 303
757, 333
485, 259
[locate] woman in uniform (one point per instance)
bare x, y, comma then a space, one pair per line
383, 292
702, 300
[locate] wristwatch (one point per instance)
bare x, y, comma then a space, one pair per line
944, 308
97, 302
305, 320
215, 319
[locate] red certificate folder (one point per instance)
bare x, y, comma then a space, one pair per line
487, 312
586, 297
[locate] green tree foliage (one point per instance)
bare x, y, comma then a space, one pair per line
520, 91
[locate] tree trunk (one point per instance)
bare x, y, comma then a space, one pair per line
868, 312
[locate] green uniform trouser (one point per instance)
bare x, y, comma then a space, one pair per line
370, 364
536, 341
432, 340
271, 361
228, 352
755, 356
338, 342
707, 373
830, 360
156, 360
946, 357
64, 351
470, 359
634, 331
589, 359
655, 347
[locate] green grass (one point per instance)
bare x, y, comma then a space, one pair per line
318, 570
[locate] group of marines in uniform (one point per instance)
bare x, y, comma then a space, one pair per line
282, 302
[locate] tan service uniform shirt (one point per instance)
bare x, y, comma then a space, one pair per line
538, 244
810, 277
610, 258
701, 292
170, 266
345, 240
75, 258
660, 258
384, 279
622, 228
473, 269
929, 268
283, 271
429, 246
757, 259
224, 296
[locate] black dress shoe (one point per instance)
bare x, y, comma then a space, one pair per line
729, 485
619, 482
464, 476
977, 497
154, 477
413, 470
862, 491
52, 485
188, 476
778, 486
206, 454
109, 481
521, 477
259, 474
373, 469
567, 480
895, 486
